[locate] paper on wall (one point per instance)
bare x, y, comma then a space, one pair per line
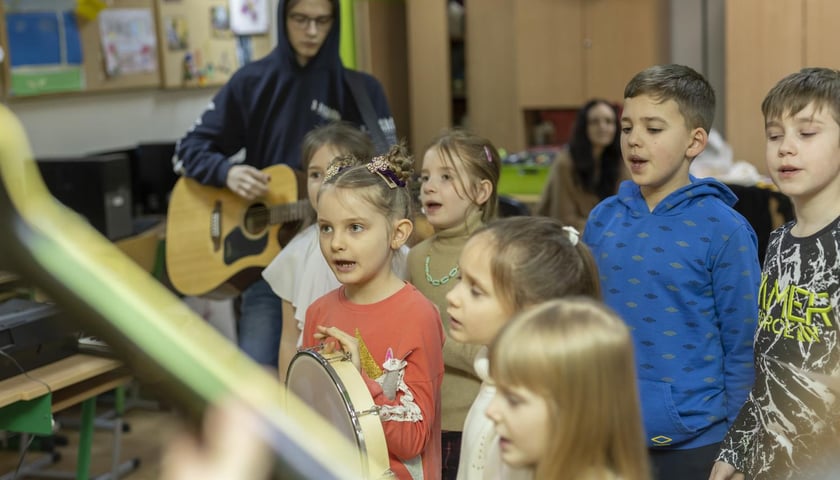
249, 17
129, 41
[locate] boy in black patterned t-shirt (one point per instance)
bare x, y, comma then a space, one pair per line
790, 421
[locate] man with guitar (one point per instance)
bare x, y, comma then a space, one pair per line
258, 119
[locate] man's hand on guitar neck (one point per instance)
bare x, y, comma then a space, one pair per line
247, 182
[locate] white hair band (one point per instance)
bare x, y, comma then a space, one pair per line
574, 235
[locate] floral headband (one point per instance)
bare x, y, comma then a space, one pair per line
334, 169
381, 167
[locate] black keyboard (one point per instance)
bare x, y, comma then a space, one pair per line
33, 334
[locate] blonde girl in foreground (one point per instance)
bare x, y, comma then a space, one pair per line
566, 403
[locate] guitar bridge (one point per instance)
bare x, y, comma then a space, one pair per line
216, 226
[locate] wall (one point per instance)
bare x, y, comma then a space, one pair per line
80, 124
76, 124
697, 40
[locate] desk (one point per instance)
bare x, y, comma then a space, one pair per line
26, 404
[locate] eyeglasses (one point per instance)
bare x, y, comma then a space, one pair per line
302, 22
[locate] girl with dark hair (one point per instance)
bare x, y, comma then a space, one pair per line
589, 170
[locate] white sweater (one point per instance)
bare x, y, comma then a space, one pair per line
480, 455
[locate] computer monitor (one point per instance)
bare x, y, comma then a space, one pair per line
96, 186
152, 176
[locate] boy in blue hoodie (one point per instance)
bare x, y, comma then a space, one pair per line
680, 266
265, 109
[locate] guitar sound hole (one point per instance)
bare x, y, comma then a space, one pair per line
256, 219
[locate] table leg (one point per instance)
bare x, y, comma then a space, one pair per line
85, 439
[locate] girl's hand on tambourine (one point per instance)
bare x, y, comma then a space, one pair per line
349, 343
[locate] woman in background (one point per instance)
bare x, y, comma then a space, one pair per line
589, 170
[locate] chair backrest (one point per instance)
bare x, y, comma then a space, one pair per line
510, 207
154, 332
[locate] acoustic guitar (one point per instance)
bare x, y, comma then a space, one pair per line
217, 243
165, 344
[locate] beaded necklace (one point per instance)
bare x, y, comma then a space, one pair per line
444, 279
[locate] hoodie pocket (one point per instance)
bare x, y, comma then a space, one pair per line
663, 425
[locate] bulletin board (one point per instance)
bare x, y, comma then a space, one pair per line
125, 70
198, 46
4, 41
49, 50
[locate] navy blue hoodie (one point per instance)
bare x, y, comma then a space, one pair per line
269, 105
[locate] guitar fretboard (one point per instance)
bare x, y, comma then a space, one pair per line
288, 212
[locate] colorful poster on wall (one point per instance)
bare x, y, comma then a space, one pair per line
220, 22
249, 17
177, 33
45, 51
129, 41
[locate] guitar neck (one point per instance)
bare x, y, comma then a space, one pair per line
288, 212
